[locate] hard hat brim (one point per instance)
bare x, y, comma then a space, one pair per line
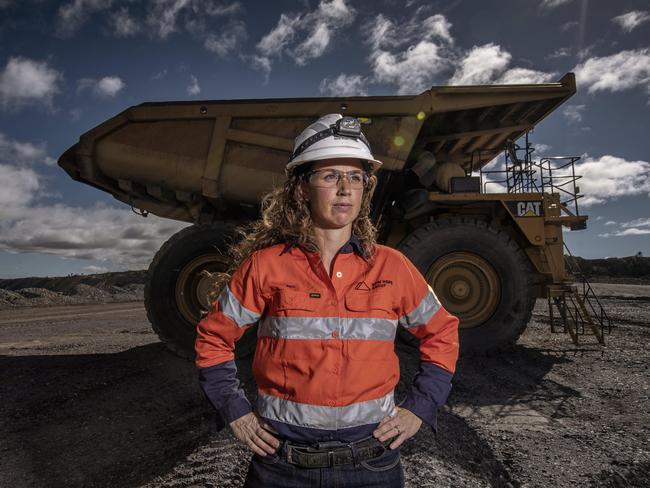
374, 163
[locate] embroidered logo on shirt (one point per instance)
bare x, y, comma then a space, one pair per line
362, 286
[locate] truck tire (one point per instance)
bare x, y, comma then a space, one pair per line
175, 291
480, 275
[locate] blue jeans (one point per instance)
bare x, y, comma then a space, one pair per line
271, 471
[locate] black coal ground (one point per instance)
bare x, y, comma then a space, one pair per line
95, 400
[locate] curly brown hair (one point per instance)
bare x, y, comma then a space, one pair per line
286, 218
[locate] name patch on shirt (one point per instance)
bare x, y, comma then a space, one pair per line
314, 295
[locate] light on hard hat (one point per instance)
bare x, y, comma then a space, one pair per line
332, 136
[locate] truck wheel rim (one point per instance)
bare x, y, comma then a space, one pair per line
467, 286
192, 287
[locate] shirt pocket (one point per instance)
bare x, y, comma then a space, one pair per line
293, 316
370, 326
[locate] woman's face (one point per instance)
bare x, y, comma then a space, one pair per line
338, 206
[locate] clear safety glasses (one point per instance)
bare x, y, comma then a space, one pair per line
331, 178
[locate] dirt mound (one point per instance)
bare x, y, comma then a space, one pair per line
80, 293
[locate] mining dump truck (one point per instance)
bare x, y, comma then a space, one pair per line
488, 242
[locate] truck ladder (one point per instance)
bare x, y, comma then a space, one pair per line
578, 305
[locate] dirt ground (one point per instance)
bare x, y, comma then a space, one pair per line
91, 398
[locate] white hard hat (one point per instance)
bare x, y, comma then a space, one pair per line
332, 136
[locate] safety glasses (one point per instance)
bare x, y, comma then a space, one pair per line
331, 178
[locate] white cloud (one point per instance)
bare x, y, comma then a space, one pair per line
303, 36
228, 40
551, 4
20, 190
108, 86
260, 63
412, 54
569, 25
24, 81
631, 20
641, 222
481, 65
280, 36
193, 88
559, 53
620, 71
313, 46
344, 85
72, 15
21, 153
115, 236
610, 222
611, 177
515, 76
123, 24
626, 232
163, 15
160, 75
573, 113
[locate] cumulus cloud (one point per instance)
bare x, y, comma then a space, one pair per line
481, 65
115, 236
344, 85
518, 76
412, 54
620, 71
228, 39
610, 222
611, 177
123, 24
72, 15
193, 88
573, 113
23, 153
108, 86
631, 20
20, 185
25, 81
303, 36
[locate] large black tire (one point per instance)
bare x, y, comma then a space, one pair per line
174, 293
465, 258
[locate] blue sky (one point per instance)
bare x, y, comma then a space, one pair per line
67, 66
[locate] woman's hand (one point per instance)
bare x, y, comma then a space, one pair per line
255, 433
403, 424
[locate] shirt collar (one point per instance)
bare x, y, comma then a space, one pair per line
353, 245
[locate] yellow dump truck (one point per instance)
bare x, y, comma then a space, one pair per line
487, 254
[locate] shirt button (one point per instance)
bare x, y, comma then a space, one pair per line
331, 403
335, 334
339, 274
335, 370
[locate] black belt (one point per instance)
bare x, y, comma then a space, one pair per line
329, 454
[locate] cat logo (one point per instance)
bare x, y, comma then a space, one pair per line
526, 209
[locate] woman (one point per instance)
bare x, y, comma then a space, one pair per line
328, 300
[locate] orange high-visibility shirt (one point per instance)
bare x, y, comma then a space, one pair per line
325, 359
